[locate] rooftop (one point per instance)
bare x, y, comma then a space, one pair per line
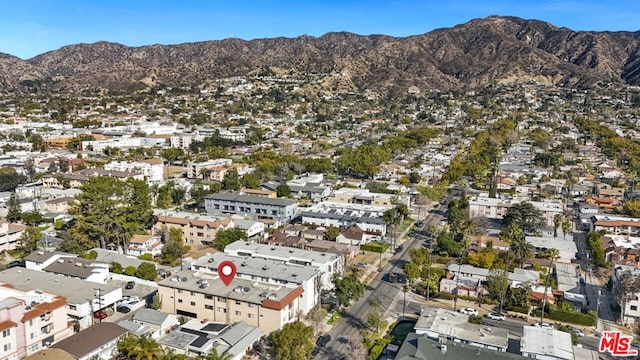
267, 295
90, 339
252, 199
258, 268
288, 254
76, 291
550, 342
422, 347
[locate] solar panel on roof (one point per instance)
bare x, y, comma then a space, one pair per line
199, 342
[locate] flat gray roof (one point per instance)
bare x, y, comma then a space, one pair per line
258, 267
236, 289
75, 290
281, 252
252, 199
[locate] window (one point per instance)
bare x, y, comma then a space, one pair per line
33, 335
193, 303
222, 310
238, 313
252, 305
179, 301
72, 307
7, 347
179, 291
191, 293
208, 297
238, 302
223, 300
208, 307
6, 333
634, 307
250, 316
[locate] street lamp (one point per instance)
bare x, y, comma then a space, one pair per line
598, 308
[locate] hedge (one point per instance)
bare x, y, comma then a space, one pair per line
485, 300
375, 247
518, 309
569, 317
444, 296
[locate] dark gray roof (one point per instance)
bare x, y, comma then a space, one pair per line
90, 339
252, 199
422, 347
354, 219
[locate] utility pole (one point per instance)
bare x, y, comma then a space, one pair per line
99, 295
598, 308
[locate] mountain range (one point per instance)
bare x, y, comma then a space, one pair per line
471, 55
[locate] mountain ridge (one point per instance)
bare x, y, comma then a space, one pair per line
477, 53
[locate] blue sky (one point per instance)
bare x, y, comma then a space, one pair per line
31, 27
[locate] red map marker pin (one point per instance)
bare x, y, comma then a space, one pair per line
227, 271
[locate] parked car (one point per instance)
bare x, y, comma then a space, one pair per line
578, 332
543, 325
469, 311
362, 265
130, 285
496, 316
323, 340
123, 309
100, 315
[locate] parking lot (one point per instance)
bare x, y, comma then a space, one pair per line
142, 291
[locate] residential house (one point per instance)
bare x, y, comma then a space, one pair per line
424, 347
564, 244
266, 306
145, 244
621, 249
347, 251
632, 307
617, 225
66, 264
99, 342
59, 205
568, 277
545, 343
605, 190
151, 169
465, 286
30, 320
160, 323
352, 235
198, 338
198, 231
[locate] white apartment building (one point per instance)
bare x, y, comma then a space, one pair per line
496, 208
98, 146
344, 215
152, 169
329, 264
196, 170
184, 141
70, 265
252, 206
30, 320
9, 235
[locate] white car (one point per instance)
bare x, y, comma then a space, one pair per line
578, 332
469, 311
543, 325
496, 316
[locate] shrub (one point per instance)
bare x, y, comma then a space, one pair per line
518, 309
569, 317
444, 296
476, 319
146, 256
130, 270
375, 247
116, 268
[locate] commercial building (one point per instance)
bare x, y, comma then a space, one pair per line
30, 320
254, 207
205, 296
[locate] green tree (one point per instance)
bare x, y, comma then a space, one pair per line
293, 342
631, 208
347, 288
557, 222
130, 270
174, 248
156, 301
497, 285
566, 228
231, 181
412, 270
146, 271
332, 233
525, 215
214, 355
147, 348
228, 236
283, 190
30, 239
127, 345
116, 268
596, 249
250, 180
14, 211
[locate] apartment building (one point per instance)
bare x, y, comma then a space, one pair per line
83, 298
66, 264
496, 208
184, 141
199, 170
362, 196
632, 307
203, 296
345, 215
145, 244
617, 225
269, 272
329, 264
151, 169
254, 207
198, 231
30, 320
9, 235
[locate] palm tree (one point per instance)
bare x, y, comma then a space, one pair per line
552, 255
557, 222
213, 355
170, 354
147, 348
127, 345
518, 244
566, 228
463, 252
